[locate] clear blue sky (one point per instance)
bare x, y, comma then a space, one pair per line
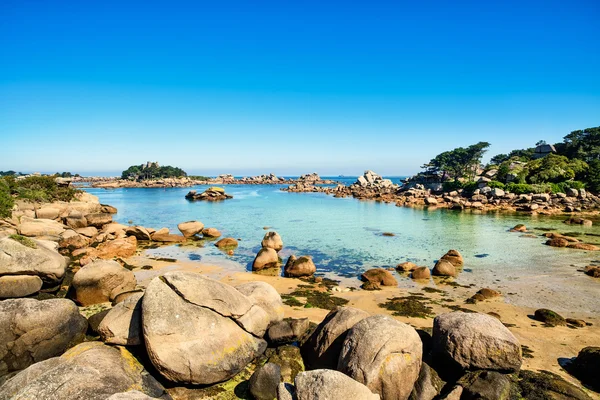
268, 86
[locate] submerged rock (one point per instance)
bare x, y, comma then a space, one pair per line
227, 243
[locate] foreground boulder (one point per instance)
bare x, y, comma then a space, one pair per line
323, 347
475, 341
101, 281
273, 241
91, 371
28, 257
586, 367
384, 355
265, 296
122, 324
324, 384
33, 331
200, 331
298, 267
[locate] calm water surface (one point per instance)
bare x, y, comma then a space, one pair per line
344, 236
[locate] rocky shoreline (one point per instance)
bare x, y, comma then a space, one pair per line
87, 315
271, 179
371, 186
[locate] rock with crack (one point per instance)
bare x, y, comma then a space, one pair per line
198, 330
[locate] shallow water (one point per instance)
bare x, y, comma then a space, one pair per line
344, 236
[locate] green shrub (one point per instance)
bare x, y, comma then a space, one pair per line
42, 189
541, 188
452, 185
6, 200
496, 184
519, 188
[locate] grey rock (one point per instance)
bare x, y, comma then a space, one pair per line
325, 384
264, 382
384, 355
323, 347
122, 324
14, 286
428, 385
200, 331
288, 331
485, 385
17, 259
475, 341
33, 331
91, 371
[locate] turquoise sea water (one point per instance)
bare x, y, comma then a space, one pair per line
344, 236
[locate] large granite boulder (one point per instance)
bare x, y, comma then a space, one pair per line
14, 286
122, 324
101, 281
265, 258
40, 227
33, 330
190, 228
273, 241
325, 384
323, 347
200, 331
475, 341
298, 267
31, 258
265, 296
91, 371
384, 355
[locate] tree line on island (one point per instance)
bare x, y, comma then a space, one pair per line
573, 163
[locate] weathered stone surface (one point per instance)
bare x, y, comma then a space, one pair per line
98, 219
288, 331
73, 241
379, 276
428, 384
211, 232
226, 243
406, 266
124, 247
122, 324
298, 267
33, 330
91, 371
139, 232
18, 259
168, 238
264, 382
272, 240
76, 220
13, 286
444, 268
322, 349
265, 296
324, 384
89, 231
100, 281
131, 395
421, 273
47, 212
190, 228
40, 227
454, 258
200, 331
384, 355
475, 341
485, 385
266, 258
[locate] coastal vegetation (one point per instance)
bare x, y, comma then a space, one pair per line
151, 170
32, 188
573, 163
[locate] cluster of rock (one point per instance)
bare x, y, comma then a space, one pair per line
450, 264
113, 183
267, 259
211, 194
